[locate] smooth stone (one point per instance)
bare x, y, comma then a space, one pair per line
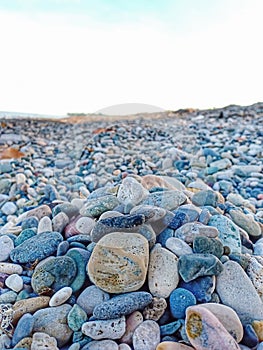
30, 305
69, 209
131, 192
90, 297
80, 257
76, 317
45, 225
121, 305
201, 287
163, 275
258, 328
24, 235
42, 341
192, 266
119, 262
193, 212
244, 301
228, 318
164, 236
169, 200
116, 224
204, 216
54, 273
178, 246
38, 212
150, 212
221, 164
254, 271
8, 297
206, 197
95, 207
170, 345
150, 181
189, 231
228, 232
155, 309
61, 296
101, 329
246, 222
170, 328
63, 247
9, 268
160, 225
132, 322
179, 219
25, 343
23, 328
180, 299
204, 330
101, 345
9, 208
147, 231
206, 245
30, 222
5, 341
53, 321
14, 282
146, 336
36, 248
250, 337
59, 222
124, 347
6, 244
5, 185
84, 225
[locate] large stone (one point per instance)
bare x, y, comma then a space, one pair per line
7, 245
42, 341
119, 262
246, 222
131, 192
169, 200
171, 345
29, 305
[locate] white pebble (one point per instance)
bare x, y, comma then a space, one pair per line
10, 268
9, 208
45, 225
60, 296
6, 244
14, 282
20, 178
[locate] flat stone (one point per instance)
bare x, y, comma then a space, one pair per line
36, 248
221, 164
244, 301
90, 297
30, 305
8, 297
189, 231
192, 266
146, 336
9, 268
119, 262
246, 222
178, 246
206, 197
228, 318
180, 299
53, 321
228, 232
254, 271
150, 212
42, 341
80, 257
163, 275
121, 305
24, 235
103, 329
9, 208
204, 330
169, 200
132, 322
150, 181
14, 282
38, 212
54, 273
6, 244
61, 296
59, 222
67, 208
101, 345
85, 225
95, 207
155, 309
76, 317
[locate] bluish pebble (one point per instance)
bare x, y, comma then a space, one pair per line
26, 279
23, 328
24, 294
8, 297
204, 198
123, 304
31, 222
250, 337
81, 258
192, 213
77, 245
242, 259
79, 337
170, 328
208, 245
204, 216
164, 235
51, 193
157, 189
90, 247
202, 288
85, 239
24, 235
63, 247
181, 164
178, 220
169, 338
76, 317
180, 299
69, 209
260, 346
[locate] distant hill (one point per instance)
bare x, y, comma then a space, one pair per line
129, 109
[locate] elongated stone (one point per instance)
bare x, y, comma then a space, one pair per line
95, 207
103, 329
189, 231
146, 336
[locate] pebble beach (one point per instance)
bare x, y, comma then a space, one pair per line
132, 233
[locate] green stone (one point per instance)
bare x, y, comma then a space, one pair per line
76, 317
24, 235
207, 245
80, 257
96, 207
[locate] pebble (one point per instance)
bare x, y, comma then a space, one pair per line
23, 329
59, 222
206, 245
95, 207
76, 317
42, 341
155, 309
146, 336
61, 296
101, 345
168, 345
201, 287
189, 231
179, 300
45, 225
30, 305
169, 200
91, 297
101, 329
9, 268
178, 246
6, 244
14, 282
131, 192
246, 222
132, 322
9, 208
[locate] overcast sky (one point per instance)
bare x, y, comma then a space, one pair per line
60, 56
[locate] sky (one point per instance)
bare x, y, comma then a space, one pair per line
66, 56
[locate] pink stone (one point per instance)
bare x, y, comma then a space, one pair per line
205, 332
133, 321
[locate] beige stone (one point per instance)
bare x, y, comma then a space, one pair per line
170, 345
119, 262
155, 310
30, 305
10, 268
258, 327
132, 322
24, 343
42, 341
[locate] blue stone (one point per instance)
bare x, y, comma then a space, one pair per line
24, 235
170, 328
23, 328
250, 337
62, 248
164, 235
51, 193
180, 299
178, 220
81, 258
77, 245
202, 288
208, 245
23, 295
123, 304
31, 222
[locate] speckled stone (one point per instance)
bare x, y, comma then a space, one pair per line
23, 328
60, 297
192, 266
201, 287
59, 222
178, 246
146, 336
258, 328
180, 299
131, 192
163, 275
119, 262
206, 332
37, 247
38, 212
80, 257
103, 329
10, 268
191, 230
55, 273
30, 222
30, 305
132, 322
228, 318
85, 224
169, 345
24, 343
5, 341
6, 244
169, 200
254, 271
206, 197
155, 309
8, 297
24, 235
95, 207
246, 222
150, 212
206, 245
123, 304
53, 321
244, 301
42, 341
76, 317
228, 232
69, 209
91, 297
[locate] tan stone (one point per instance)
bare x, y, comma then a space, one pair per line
29, 305
42, 341
258, 327
10, 268
171, 345
24, 343
155, 310
119, 262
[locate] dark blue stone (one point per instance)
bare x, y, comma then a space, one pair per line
164, 235
250, 337
201, 287
31, 222
170, 328
23, 328
178, 220
180, 299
